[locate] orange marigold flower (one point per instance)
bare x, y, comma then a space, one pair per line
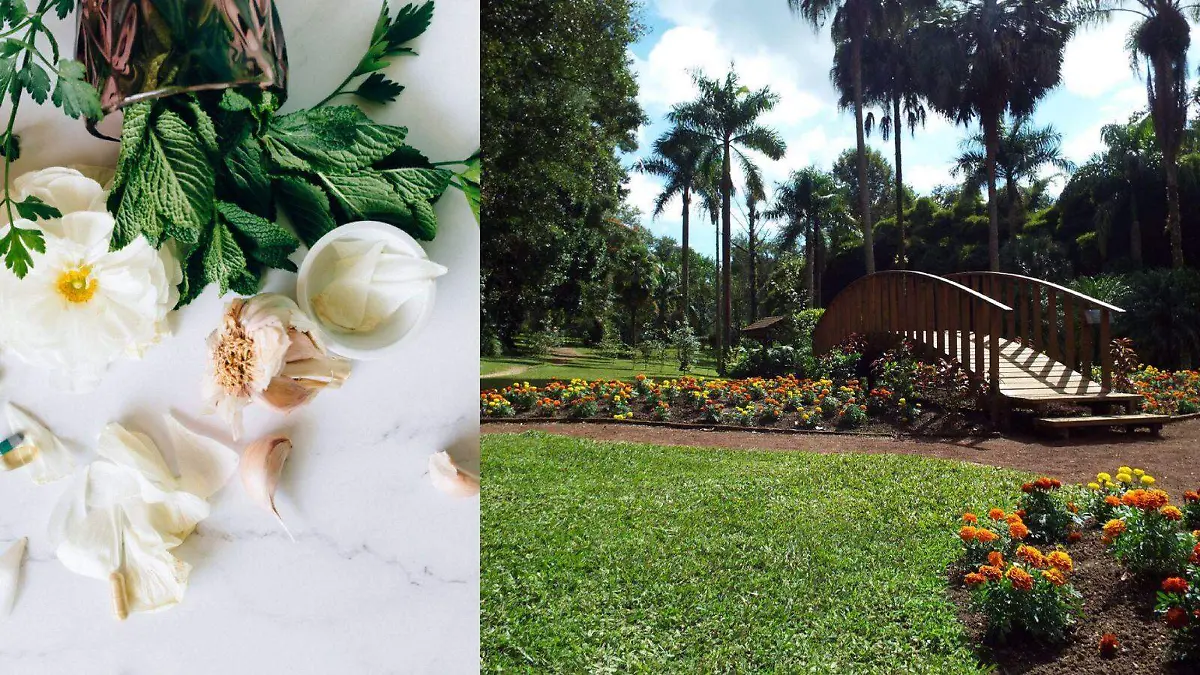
1177, 617
1108, 645
1018, 531
1191, 496
1031, 555
1043, 483
1020, 579
1060, 560
985, 536
1112, 500
1027, 487
1055, 483
1171, 513
1055, 576
1074, 537
1133, 498
993, 573
995, 558
966, 533
1175, 585
975, 579
1012, 518
996, 514
1114, 528
970, 518
1155, 499
1072, 508
1020, 513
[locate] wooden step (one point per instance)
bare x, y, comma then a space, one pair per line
1064, 424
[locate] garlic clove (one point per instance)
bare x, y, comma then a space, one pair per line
286, 394
447, 477
205, 464
329, 371
260, 468
10, 574
52, 461
302, 347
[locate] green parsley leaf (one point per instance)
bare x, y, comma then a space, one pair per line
16, 245
73, 94
33, 208
35, 80
11, 147
410, 22
63, 7
379, 89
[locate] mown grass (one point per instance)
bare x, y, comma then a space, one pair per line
589, 365
611, 557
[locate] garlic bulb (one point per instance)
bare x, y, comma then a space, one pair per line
267, 349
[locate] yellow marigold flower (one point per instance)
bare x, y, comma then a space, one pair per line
1060, 560
1147, 480
1124, 478
1171, 513
1139, 473
1093, 486
1124, 469
1114, 528
1103, 477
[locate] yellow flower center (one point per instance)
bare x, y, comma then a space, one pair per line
77, 285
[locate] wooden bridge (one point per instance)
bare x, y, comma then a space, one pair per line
1030, 341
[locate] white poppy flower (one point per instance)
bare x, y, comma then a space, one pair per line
82, 306
124, 513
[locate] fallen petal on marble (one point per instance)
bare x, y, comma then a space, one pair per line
10, 575
136, 451
205, 464
447, 477
261, 465
52, 461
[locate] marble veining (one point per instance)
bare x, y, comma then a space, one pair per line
383, 575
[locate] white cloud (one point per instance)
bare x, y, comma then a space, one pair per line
1095, 61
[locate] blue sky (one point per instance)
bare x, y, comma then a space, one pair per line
770, 47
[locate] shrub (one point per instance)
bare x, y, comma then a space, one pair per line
1167, 393
838, 365
996, 534
1032, 593
522, 396
492, 404
1162, 316
541, 342
582, 407
711, 412
1049, 515
547, 407
490, 345
612, 348
1147, 539
687, 346
1179, 605
662, 411
1191, 509
764, 362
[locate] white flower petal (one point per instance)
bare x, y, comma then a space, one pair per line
67, 190
52, 461
154, 579
10, 575
205, 464
135, 451
93, 545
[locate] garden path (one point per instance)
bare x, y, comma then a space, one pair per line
1173, 458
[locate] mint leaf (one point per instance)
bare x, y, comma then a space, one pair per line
307, 207
335, 138
472, 192
35, 81
233, 100
248, 176
73, 94
171, 190
379, 89
205, 131
425, 184
223, 259
270, 244
410, 22
33, 208
397, 196
133, 137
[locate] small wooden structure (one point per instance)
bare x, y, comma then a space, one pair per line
1032, 341
765, 330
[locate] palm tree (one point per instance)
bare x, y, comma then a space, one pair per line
801, 202
725, 114
1161, 38
1022, 153
889, 79
755, 194
1130, 156
986, 58
677, 159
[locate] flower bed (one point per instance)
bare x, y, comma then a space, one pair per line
1164, 392
1117, 579
781, 402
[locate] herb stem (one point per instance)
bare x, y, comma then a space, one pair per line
336, 92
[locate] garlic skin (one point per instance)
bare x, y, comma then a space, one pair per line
447, 477
260, 468
10, 574
267, 349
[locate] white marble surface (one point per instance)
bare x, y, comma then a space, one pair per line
383, 577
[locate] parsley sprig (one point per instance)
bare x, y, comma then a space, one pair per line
25, 69
389, 40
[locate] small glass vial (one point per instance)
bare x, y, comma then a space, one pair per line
15, 452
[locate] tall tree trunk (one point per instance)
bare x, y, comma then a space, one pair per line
1014, 206
1168, 124
753, 268
818, 260
1135, 231
897, 128
1172, 166
864, 189
726, 243
991, 139
717, 330
810, 265
683, 309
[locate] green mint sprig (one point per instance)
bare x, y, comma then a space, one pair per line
25, 69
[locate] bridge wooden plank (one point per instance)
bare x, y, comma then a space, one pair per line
1069, 330
1106, 361
1054, 351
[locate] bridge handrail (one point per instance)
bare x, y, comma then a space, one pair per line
1095, 302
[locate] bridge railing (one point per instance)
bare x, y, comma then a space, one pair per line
962, 323
1065, 325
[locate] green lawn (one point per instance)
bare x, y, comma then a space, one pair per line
613, 558
589, 365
